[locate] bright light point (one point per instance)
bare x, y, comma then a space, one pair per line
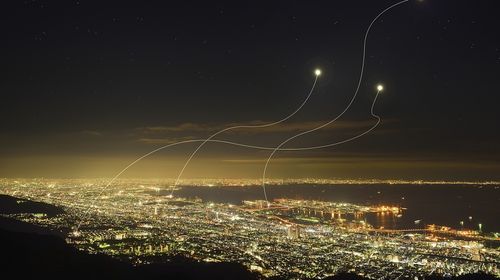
317, 72
380, 87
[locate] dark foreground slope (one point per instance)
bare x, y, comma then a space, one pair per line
32, 252
41, 256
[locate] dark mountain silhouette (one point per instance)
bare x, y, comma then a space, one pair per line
12, 205
43, 256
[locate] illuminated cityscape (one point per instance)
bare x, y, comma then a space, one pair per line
289, 238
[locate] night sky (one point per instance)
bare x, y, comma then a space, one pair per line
87, 86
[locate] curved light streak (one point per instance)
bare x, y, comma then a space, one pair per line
348, 105
278, 148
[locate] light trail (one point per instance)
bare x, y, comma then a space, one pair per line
244, 146
239, 145
275, 149
317, 73
204, 141
379, 88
